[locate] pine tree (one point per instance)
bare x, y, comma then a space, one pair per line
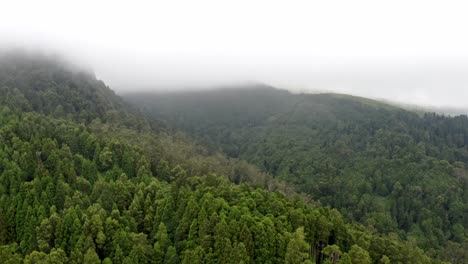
171, 256
162, 238
91, 257
239, 254
194, 256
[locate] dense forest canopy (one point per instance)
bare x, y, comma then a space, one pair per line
84, 178
393, 170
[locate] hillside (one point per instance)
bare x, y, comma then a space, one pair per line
50, 86
390, 169
80, 186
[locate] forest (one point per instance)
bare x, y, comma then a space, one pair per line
395, 171
85, 177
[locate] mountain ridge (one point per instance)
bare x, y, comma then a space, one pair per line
377, 162
88, 188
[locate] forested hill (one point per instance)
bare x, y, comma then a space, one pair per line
390, 169
83, 179
252, 106
50, 85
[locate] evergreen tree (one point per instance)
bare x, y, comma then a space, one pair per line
171, 256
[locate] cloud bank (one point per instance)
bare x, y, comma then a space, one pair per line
407, 51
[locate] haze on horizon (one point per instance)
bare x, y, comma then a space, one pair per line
412, 52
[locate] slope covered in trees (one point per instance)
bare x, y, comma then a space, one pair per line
389, 169
50, 85
92, 189
43, 84
69, 197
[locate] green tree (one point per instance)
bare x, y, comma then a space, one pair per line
359, 255
384, 260
36, 258
171, 256
91, 257
8, 254
195, 256
297, 250
345, 259
333, 252
57, 256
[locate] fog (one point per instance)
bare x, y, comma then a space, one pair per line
414, 52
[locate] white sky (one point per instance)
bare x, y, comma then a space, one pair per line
410, 51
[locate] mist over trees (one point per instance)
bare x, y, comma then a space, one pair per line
395, 171
86, 178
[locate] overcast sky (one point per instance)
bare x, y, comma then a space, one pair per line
409, 51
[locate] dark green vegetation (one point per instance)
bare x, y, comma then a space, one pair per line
397, 172
85, 179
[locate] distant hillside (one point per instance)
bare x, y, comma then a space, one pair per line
83, 179
391, 169
49, 85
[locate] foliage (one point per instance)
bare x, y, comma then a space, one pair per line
392, 170
77, 186
65, 201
